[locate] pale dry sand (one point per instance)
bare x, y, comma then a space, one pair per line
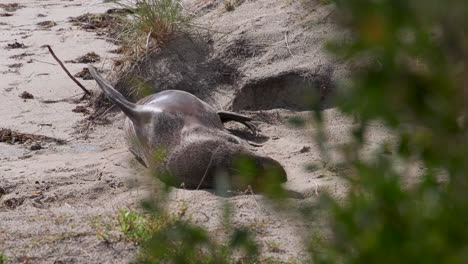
55, 194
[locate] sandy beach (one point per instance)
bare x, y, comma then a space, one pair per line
52, 193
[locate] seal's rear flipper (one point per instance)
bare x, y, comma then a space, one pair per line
133, 111
226, 116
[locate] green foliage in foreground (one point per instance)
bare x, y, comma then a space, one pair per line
3, 258
138, 227
167, 239
182, 242
412, 76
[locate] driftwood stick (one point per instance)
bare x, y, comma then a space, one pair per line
88, 92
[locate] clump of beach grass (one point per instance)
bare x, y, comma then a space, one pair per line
229, 5
153, 24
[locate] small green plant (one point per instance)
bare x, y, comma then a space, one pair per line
138, 227
3, 258
169, 239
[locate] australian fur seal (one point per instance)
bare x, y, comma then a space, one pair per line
177, 133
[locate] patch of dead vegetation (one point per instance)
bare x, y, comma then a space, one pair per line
13, 203
3, 191
20, 56
81, 109
121, 11
11, 7
118, 50
6, 14
25, 95
13, 137
15, 65
56, 238
85, 74
230, 5
16, 45
100, 23
46, 24
89, 57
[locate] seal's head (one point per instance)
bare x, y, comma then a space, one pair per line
200, 163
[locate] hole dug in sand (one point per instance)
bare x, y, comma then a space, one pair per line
288, 90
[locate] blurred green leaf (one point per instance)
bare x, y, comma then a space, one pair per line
411, 76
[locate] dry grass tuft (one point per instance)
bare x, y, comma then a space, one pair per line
153, 25
229, 5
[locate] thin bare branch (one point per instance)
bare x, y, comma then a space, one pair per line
88, 92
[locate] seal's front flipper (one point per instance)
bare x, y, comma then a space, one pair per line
226, 116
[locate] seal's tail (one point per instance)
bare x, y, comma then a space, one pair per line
130, 109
